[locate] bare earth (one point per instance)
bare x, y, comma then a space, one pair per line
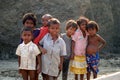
8, 69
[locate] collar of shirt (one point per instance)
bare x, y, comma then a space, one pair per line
23, 44
50, 37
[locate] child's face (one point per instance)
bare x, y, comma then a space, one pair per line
29, 23
45, 21
54, 29
92, 31
27, 36
83, 26
70, 31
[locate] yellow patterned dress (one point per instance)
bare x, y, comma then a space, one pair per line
78, 65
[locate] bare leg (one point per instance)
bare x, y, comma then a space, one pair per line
36, 75
94, 75
81, 76
52, 78
88, 75
76, 76
32, 74
24, 74
45, 76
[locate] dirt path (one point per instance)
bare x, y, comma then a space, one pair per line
8, 69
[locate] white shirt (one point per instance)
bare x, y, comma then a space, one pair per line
51, 60
28, 53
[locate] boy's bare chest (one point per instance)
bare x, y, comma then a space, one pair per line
93, 40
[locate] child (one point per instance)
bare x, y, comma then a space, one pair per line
79, 43
52, 60
71, 27
27, 52
44, 28
29, 20
95, 43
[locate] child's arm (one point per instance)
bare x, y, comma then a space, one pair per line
73, 45
102, 42
62, 53
19, 59
18, 53
61, 63
39, 63
43, 50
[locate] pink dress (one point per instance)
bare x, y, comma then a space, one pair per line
78, 64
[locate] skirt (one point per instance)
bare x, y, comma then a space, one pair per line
78, 65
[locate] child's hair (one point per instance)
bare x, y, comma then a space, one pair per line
71, 23
27, 29
53, 21
92, 25
47, 15
30, 16
81, 20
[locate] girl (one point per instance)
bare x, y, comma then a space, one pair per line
71, 27
27, 52
78, 65
52, 60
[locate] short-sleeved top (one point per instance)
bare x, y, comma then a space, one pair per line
43, 32
80, 43
28, 53
36, 32
68, 42
51, 60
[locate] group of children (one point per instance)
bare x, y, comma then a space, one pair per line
48, 52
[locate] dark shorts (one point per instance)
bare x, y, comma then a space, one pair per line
93, 61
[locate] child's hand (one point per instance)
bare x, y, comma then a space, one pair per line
60, 67
43, 50
72, 56
19, 71
38, 69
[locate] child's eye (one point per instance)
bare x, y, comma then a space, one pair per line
83, 24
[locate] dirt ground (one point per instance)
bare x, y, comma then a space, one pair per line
9, 69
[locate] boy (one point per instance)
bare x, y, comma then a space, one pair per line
27, 52
44, 28
52, 60
95, 43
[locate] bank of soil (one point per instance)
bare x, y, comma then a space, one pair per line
9, 69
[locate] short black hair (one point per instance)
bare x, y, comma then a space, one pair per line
81, 20
92, 25
53, 21
29, 16
27, 29
71, 23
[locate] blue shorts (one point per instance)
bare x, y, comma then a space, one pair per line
93, 61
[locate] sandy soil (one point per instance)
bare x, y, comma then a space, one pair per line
8, 69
